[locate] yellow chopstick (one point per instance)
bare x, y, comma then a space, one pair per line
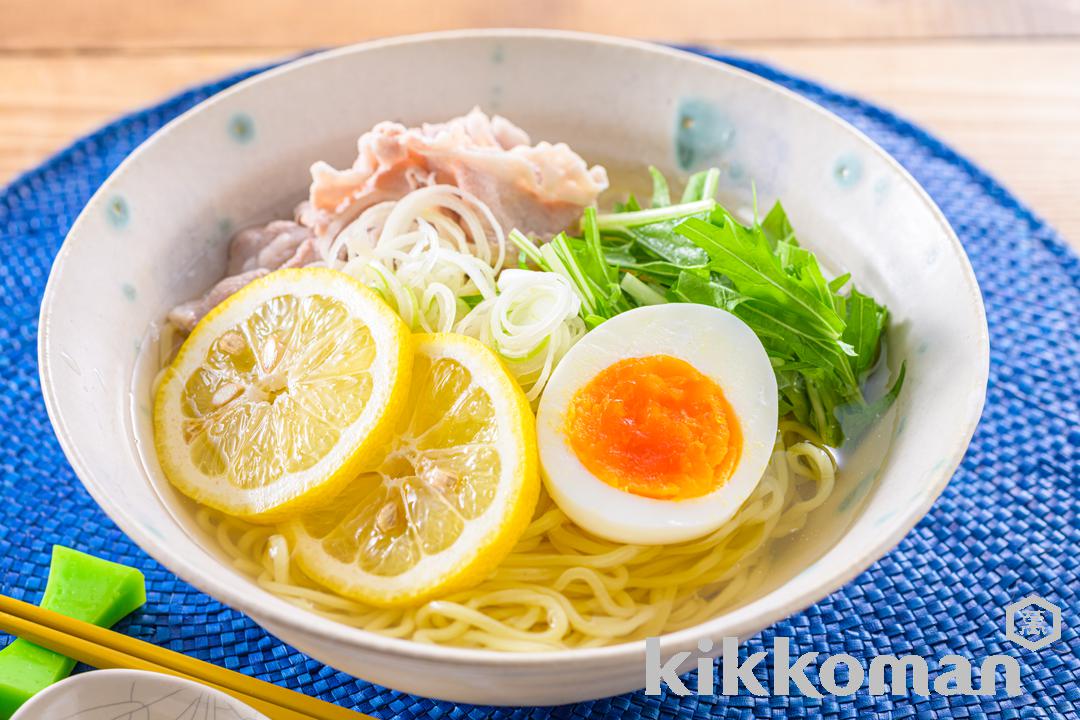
103, 648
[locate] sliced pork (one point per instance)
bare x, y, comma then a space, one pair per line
187, 315
539, 189
253, 252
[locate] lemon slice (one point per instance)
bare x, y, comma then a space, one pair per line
282, 393
455, 491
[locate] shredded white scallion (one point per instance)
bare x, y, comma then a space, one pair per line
531, 324
435, 256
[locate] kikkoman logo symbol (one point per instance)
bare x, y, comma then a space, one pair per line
1032, 622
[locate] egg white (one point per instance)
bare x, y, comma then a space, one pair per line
718, 345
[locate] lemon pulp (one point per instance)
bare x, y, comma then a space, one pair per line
453, 493
271, 397
292, 385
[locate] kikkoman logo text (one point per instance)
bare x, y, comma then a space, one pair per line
1032, 622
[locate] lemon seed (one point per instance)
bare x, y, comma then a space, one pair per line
226, 394
442, 480
271, 353
387, 519
231, 342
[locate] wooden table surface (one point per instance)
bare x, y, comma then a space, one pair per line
998, 79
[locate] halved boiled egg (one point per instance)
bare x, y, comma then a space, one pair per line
658, 424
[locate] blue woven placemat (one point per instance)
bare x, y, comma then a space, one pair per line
1005, 527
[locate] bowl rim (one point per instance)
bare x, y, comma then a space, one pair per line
742, 622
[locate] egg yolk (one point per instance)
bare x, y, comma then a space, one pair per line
654, 426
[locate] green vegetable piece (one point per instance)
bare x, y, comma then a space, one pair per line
80, 586
593, 321
856, 418
630, 205
471, 301
777, 227
593, 258
694, 186
837, 284
642, 293
661, 196
655, 268
622, 220
660, 239
866, 320
701, 186
692, 288
527, 248
744, 256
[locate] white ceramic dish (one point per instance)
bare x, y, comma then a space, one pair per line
154, 234
113, 694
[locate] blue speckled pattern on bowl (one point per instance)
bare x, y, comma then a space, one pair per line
1005, 527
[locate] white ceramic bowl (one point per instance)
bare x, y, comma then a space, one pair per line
115, 694
154, 234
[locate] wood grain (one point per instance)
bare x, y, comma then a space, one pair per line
1011, 107
45, 102
62, 24
997, 79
